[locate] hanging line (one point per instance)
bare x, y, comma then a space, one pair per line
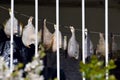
36, 28
11, 37
51, 23
57, 33
106, 38
83, 35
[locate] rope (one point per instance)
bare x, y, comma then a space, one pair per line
51, 23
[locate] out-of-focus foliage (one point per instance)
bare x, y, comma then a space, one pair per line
96, 70
32, 69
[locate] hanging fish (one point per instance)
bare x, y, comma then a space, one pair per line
39, 36
28, 36
17, 27
65, 43
88, 45
47, 37
101, 45
54, 46
73, 47
114, 45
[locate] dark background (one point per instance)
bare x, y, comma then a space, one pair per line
70, 14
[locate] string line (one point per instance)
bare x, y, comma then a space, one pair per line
67, 27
